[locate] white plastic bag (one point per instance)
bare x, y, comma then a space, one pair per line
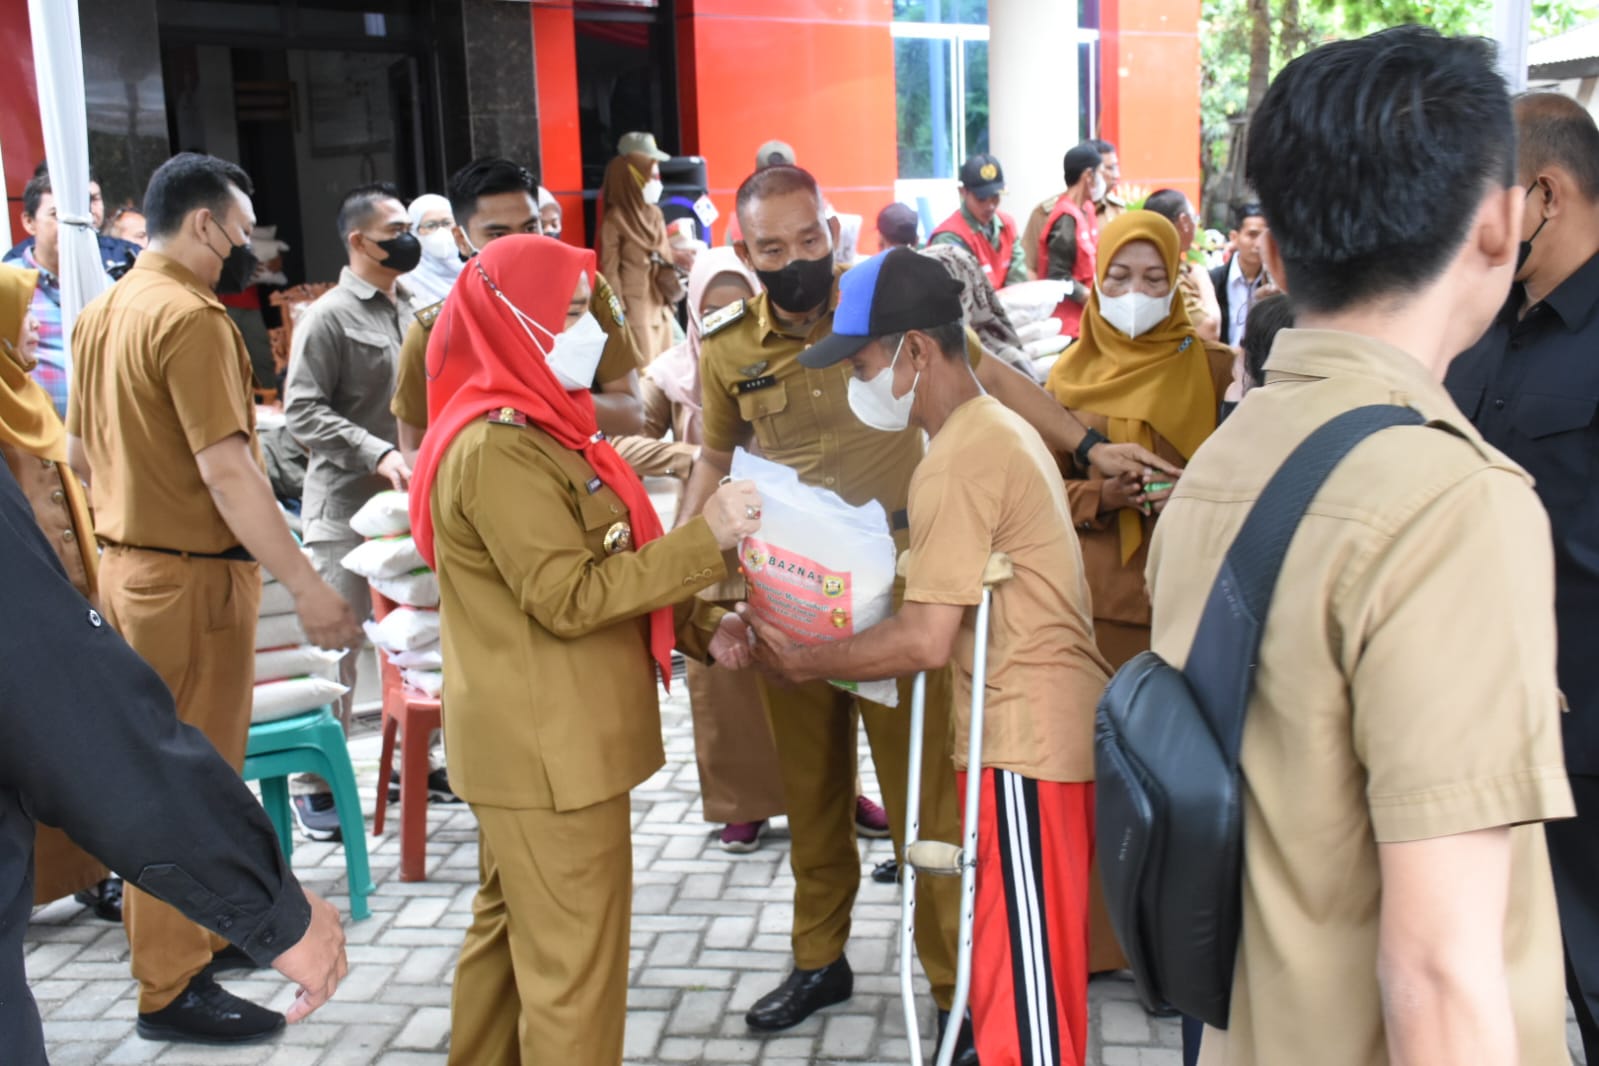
427, 657
284, 699
275, 599
384, 557
279, 631
388, 514
405, 629
428, 682
418, 589
819, 569
1031, 301
279, 664
1046, 329
1047, 347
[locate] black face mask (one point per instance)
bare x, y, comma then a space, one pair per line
404, 252
801, 286
238, 266
1525, 248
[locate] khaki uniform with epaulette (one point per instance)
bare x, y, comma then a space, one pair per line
648, 457
552, 719
753, 386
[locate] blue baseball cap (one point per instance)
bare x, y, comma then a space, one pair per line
890, 293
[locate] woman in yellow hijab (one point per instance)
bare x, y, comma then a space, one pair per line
33, 444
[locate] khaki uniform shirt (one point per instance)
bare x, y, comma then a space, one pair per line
160, 374
336, 399
752, 382
1037, 219
549, 688
989, 485
619, 358
1406, 691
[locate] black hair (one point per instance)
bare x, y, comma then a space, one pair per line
1267, 318
360, 204
1555, 129
33, 194
43, 170
1103, 147
949, 336
1244, 212
187, 182
489, 176
1170, 204
1083, 157
1371, 156
775, 181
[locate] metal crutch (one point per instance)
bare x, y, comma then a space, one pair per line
935, 857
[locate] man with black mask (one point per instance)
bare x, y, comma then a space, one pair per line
161, 425
1531, 386
754, 389
341, 374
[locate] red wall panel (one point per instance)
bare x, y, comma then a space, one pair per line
560, 140
1150, 86
21, 136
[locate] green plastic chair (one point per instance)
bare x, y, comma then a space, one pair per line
312, 743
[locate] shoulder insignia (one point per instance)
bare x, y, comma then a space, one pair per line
616, 310
508, 416
429, 314
717, 321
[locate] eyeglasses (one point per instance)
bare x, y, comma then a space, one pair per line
436, 225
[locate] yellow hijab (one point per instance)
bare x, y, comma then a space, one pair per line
28, 419
1157, 383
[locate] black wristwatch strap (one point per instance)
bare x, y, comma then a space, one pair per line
1090, 438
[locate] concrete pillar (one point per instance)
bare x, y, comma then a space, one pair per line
1512, 21
1032, 96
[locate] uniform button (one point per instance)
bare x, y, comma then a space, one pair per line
828, 480
58, 496
68, 536
1499, 405
269, 938
816, 392
615, 509
95, 619
224, 922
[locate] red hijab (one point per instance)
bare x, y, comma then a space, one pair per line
480, 359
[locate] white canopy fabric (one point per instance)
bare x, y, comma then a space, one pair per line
58, 65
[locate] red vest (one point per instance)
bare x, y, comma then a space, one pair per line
994, 261
1070, 312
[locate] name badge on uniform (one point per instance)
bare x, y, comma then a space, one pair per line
594, 485
618, 539
756, 383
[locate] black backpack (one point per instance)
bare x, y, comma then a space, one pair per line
1168, 803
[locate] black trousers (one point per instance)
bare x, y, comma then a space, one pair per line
1574, 857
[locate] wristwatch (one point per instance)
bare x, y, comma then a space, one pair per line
1091, 437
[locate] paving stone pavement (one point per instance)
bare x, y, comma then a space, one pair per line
710, 934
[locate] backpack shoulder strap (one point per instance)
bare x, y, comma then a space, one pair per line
1221, 664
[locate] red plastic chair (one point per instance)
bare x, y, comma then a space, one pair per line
414, 717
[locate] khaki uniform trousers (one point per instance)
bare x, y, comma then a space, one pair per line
193, 620
740, 779
542, 979
815, 729
1118, 643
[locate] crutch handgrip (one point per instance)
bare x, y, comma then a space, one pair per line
998, 571
936, 857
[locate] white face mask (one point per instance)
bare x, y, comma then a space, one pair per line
874, 402
652, 191
1134, 313
440, 245
1097, 191
572, 356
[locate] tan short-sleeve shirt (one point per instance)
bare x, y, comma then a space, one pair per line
989, 485
619, 358
1406, 691
161, 373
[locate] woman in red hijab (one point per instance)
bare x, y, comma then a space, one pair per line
561, 599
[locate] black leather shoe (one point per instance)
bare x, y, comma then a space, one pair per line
104, 899
802, 993
965, 1048
229, 958
886, 872
206, 1013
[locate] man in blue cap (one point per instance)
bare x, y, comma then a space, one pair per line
987, 484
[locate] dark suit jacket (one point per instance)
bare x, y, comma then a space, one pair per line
1218, 278
90, 742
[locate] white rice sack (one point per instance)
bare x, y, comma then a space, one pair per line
405, 629
384, 557
1032, 301
819, 569
276, 599
388, 514
285, 699
430, 657
279, 664
1048, 346
1038, 331
278, 631
418, 589
428, 682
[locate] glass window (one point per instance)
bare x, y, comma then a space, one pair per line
974, 82
927, 137
967, 12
